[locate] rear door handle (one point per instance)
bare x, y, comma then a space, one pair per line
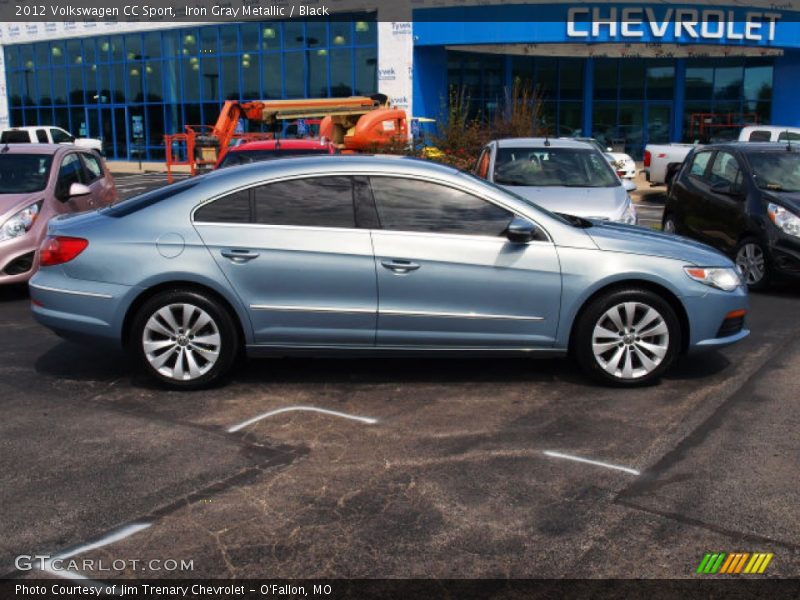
240, 256
399, 266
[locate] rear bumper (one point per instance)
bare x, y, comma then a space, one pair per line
81, 311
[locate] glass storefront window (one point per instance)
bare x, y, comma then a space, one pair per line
341, 73
293, 35
318, 73
273, 75
728, 83
631, 79
660, 82
605, 79
229, 38
366, 70
571, 76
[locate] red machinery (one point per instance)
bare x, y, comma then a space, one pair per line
703, 124
354, 124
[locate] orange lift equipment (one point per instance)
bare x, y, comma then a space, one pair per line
354, 124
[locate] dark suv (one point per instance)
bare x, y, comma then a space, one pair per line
744, 199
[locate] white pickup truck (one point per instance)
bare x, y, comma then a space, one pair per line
661, 161
46, 134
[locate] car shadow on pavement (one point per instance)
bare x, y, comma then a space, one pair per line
13, 292
78, 362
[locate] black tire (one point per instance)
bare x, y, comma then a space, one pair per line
740, 256
211, 359
595, 314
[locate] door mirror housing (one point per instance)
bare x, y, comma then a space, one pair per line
76, 190
628, 185
520, 231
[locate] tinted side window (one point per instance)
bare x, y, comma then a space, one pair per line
233, 208
788, 135
725, 169
699, 164
412, 205
41, 136
94, 169
312, 202
71, 171
759, 136
59, 136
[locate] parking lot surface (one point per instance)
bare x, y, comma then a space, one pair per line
400, 467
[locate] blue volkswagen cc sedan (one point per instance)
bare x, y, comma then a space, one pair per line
383, 255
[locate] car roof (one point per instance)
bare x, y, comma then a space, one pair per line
289, 144
537, 142
35, 148
771, 128
753, 146
31, 128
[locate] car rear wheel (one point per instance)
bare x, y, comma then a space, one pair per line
184, 339
627, 337
752, 261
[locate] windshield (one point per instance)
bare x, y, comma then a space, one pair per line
776, 171
24, 173
553, 167
243, 157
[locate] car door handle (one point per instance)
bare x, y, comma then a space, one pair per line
240, 256
399, 266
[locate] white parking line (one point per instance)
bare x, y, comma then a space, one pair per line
324, 411
596, 463
111, 538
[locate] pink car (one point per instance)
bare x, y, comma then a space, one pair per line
37, 183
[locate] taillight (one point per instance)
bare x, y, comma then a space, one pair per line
647, 158
620, 173
60, 249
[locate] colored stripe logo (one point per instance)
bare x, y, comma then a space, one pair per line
734, 563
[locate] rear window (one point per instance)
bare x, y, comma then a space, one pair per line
15, 137
137, 203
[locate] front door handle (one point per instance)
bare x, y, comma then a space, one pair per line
240, 256
399, 266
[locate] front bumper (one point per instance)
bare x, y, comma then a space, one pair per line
716, 318
784, 255
19, 260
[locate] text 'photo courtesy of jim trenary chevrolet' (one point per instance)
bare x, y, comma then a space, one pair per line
359, 299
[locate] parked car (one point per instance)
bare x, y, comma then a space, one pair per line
564, 176
661, 161
268, 149
354, 254
769, 133
744, 199
47, 134
38, 182
622, 163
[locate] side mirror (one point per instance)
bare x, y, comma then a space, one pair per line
609, 149
628, 185
520, 231
78, 189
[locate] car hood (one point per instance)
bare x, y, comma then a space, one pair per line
10, 204
616, 237
790, 200
590, 203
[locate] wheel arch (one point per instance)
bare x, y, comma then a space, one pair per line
183, 285
663, 291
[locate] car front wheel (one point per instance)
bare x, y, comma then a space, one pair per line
752, 262
627, 337
185, 339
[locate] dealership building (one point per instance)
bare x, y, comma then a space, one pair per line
627, 73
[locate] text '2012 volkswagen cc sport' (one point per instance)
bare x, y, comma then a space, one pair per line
356, 254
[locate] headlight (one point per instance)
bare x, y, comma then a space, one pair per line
629, 215
722, 278
20, 223
786, 221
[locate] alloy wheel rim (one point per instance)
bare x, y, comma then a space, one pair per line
181, 341
750, 260
630, 340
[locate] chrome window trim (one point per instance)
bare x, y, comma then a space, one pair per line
513, 210
71, 292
